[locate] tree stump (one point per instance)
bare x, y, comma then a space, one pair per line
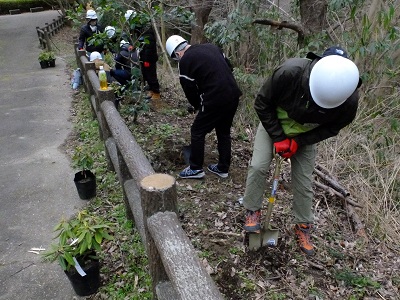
158, 194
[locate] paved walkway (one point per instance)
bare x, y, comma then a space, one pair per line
36, 180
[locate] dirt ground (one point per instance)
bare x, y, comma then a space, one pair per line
346, 265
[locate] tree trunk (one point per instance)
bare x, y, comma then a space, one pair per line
313, 15
201, 11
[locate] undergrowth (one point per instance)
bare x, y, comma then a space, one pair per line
124, 273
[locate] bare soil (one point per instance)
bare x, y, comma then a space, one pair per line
346, 265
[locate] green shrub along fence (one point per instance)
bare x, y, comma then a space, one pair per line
24, 5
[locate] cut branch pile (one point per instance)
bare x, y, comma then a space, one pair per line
335, 189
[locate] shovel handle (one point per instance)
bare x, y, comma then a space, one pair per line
272, 198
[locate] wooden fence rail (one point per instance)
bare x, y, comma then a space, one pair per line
49, 30
151, 201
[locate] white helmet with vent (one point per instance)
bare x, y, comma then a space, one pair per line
110, 31
173, 42
333, 79
91, 15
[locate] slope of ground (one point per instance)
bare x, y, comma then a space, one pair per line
346, 266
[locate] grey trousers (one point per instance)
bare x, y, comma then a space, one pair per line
302, 166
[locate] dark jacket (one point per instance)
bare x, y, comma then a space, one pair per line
126, 60
85, 33
206, 77
288, 89
147, 36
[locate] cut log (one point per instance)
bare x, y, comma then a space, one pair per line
158, 194
186, 272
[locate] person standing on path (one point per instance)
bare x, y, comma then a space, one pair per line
210, 87
304, 102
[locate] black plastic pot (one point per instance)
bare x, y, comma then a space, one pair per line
52, 63
85, 182
44, 64
88, 284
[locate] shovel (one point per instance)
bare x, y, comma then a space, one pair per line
268, 235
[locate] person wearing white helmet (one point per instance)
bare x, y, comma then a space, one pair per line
98, 60
305, 101
110, 31
130, 13
148, 60
125, 60
87, 30
209, 85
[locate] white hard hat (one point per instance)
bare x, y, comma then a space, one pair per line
95, 55
172, 43
123, 42
130, 13
91, 14
110, 31
332, 80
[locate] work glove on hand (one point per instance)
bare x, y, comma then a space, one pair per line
286, 148
146, 64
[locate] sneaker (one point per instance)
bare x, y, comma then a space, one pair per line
302, 232
253, 221
214, 169
189, 173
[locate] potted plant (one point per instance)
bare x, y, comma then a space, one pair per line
77, 249
85, 180
47, 59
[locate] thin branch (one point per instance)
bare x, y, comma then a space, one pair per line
284, 24
336, 193
323, 173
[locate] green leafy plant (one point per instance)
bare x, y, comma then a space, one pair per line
82, 159
78, 238
46, 56
351, 279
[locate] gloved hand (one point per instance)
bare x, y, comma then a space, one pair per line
286, 148
146, 64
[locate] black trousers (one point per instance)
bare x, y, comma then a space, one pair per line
220, 119
150, 76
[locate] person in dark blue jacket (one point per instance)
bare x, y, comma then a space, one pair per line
88, 30
125, 60
210, 87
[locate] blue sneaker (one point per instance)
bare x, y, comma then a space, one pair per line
189, 173
214, 169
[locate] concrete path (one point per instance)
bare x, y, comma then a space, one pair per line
36, 180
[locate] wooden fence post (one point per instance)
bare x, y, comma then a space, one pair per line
46, 37
158, 194
103, 95
39, 36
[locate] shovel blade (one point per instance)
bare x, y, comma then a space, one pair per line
270, 237
255, 241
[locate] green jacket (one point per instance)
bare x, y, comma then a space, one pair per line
286, 109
